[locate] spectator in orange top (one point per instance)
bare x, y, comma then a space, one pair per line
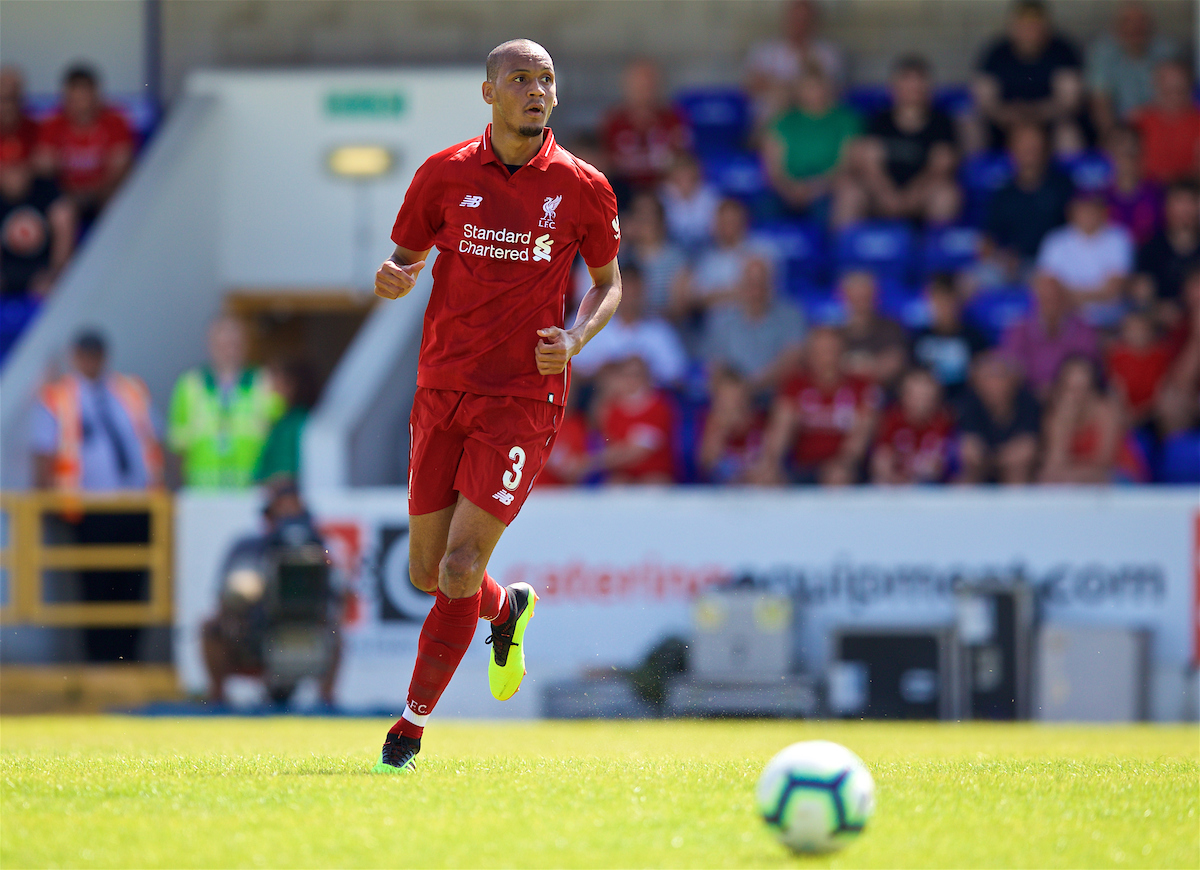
638, 425
915, 435
643, 134
87, 145
1084, 429
1170, 126
823, 416
1137, 362
733, 431
18, 132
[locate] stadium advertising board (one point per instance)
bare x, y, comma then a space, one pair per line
617, 572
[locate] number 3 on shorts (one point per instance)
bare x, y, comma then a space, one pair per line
512, 479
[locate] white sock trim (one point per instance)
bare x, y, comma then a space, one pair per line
414, 718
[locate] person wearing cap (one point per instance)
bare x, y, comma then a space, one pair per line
93, 429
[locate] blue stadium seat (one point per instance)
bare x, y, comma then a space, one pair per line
949, 249
800, 247
819, 302
737, 174
981, 176
954, 100
1088, 171
904, 302
15, 316
1179, 460
719, 118
883, 247
868, 99
993, 311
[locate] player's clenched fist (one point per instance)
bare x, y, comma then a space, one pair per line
554, 350
393, 280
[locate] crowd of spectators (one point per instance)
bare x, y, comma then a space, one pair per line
997, 282
57, 172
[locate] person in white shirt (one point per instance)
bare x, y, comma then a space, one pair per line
632, 333
714, 277
773, 66
1092, 257
690, 204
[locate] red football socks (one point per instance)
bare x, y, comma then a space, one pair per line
493, 603
445, 636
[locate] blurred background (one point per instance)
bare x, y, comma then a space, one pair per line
899, 417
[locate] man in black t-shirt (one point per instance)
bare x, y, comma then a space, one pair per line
1165, 260
998, 422
904, 166
947, 346
37, 231
1032, 75
1029, 206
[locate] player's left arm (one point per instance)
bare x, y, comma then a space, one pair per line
557, 345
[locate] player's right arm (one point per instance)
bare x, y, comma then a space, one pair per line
398, 274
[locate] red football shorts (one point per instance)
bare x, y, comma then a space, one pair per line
488, 448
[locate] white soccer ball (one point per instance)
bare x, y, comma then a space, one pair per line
816, 796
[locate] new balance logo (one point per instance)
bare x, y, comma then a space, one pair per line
471, 201
505, 498
541, 247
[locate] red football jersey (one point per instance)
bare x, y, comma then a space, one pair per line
640, 154
647, 421
505, 247
570, 445
825, 417
922, 450
82, 154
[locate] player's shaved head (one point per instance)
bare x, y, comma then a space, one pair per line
514, 50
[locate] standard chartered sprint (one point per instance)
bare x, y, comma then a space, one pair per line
474, 237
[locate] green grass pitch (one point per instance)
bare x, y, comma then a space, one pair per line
129, 792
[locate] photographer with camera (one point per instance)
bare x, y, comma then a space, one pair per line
278, 613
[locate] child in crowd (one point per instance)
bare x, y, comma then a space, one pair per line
1137, 362
733, 431
638, 425
916, 434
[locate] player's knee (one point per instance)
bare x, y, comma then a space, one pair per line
423, 577
461, 572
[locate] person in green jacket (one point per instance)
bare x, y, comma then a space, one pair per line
281, 454
803, 147
221, 413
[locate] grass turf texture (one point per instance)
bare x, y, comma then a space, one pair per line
127, 792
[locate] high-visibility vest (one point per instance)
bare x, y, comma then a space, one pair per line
220, 437
61, 399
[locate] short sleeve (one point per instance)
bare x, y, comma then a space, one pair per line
993, 62
941, 128
1064, 54
43, 431
599, 228
420, 217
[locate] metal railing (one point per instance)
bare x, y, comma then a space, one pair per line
26, 557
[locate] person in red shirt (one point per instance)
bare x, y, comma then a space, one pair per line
824, 416
507, 211
1137, 362
18, 131
643, 135
915, 436
572, 459
638, 425
86, 145
1170, 126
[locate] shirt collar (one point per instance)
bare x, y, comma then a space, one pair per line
544, 157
